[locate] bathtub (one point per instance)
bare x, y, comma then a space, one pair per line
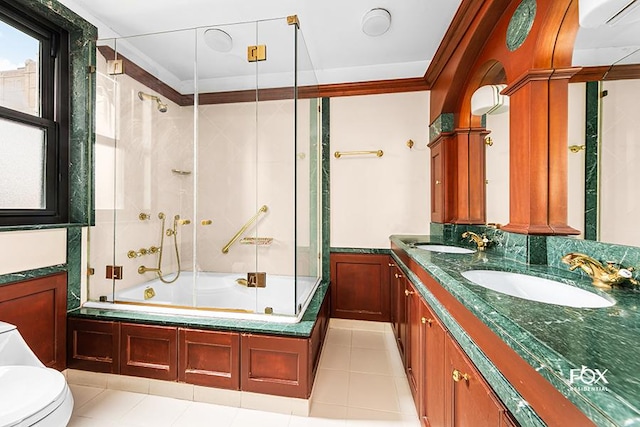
217, 295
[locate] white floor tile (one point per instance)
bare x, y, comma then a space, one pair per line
91, 422
331, 387
338, 337
327, 411
316, 422
370, 361
335, 357
156, 411
368, 339
248, 418
203, 415
369, 391
110, 405
83, 394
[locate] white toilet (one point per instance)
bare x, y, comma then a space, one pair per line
30, 393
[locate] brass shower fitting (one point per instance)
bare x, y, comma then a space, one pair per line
169, 232
162, 107
143, 251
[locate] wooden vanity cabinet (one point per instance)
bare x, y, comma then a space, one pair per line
470, 400
360, 286
399, 308
431, 356
432, 407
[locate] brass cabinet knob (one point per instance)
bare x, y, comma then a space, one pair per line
437, 182
407, 292
398, 275
391, 264
458, 376
425, 321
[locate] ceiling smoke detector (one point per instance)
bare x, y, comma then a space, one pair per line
376, 22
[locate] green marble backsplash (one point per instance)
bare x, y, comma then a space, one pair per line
541, 250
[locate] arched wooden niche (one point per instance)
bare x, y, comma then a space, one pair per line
537, 72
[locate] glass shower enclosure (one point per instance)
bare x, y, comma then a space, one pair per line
207, 161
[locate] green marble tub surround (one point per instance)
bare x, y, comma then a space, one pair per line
375, 251
554, 340
300, 329
6, 279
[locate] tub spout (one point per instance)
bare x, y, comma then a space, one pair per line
142, 269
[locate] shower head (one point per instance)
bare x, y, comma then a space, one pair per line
162, 107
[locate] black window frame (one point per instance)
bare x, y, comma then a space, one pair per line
54, 117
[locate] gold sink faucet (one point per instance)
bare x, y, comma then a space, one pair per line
603, 276
481, 242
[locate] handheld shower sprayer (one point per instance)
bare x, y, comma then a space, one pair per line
162, 107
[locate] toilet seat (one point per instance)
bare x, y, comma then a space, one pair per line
29, 394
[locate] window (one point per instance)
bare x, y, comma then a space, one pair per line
34, 88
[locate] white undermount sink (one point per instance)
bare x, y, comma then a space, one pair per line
445, 249
536, 289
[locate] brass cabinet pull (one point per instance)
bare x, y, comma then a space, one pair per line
407, 292
425, 320
391, 264
457, 376
398, 275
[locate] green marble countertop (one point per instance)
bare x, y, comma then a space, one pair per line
553, 339
300, 329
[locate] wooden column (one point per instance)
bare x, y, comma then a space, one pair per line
538, 153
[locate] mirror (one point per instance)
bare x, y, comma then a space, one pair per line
610, 171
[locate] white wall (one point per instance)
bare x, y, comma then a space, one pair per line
28, 250
497, 169
576, 176
371, 197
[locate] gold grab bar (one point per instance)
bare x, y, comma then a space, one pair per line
339, 154
244, 228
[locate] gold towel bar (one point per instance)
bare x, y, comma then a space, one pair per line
339, 154
244, 228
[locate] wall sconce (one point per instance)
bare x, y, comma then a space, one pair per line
488, 100
376, 22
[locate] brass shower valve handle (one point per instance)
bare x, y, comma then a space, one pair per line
144, 216
143, 251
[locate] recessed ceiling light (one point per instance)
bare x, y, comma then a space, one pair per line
218, 40
376, 22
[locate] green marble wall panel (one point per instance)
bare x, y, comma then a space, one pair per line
443, 123
436, 229
591, 170
326, 176
74, 269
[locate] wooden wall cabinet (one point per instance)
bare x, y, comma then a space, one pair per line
38, 307
360, 286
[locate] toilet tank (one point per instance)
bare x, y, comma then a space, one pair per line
13, 349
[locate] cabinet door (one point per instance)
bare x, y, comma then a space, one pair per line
434, 371
149, 351
414, 349
400, 327
472, 402
360, 286
437, 182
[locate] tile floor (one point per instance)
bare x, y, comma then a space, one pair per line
360, 382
